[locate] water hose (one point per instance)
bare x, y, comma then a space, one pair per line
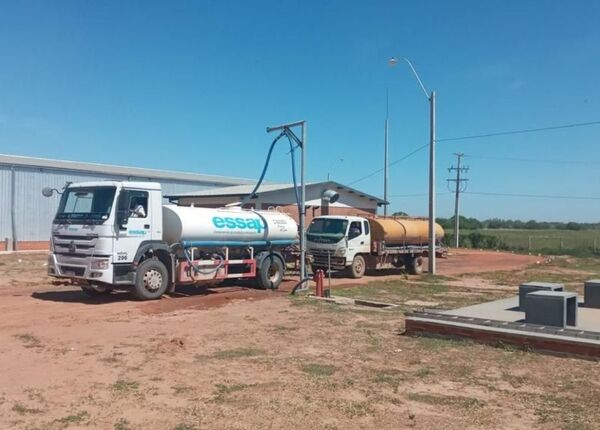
297, 286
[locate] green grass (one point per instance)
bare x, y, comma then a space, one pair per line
436, 294
77, 418
238, 353
319, 370
123, 386
23, 410
122, 424
574, 242
441, 400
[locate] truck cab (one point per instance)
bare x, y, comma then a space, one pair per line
99, 228
339, 242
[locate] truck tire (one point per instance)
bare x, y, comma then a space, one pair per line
151, 279
357, 270
414, 265
270, 273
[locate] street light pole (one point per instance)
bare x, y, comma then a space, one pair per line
431, 99
385, 154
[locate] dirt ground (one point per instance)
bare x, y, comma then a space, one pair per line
237, 358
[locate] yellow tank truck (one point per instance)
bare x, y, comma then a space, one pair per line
357, 244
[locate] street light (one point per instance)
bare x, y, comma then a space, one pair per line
333, 165
431, 98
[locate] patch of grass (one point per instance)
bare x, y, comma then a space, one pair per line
316, 369
441, 400
24, 410
423, 372
180, 389
123, 386
74, 419
223, 390
122, 424
29, 340
238, 353
391, 377
352, 409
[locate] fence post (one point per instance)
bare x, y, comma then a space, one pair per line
594, 246
529, 241
561, 243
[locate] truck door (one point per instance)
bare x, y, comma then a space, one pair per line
133, 224
357, 239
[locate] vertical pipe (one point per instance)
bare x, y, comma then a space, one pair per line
432, 185
302, 206
385, 155
13, 221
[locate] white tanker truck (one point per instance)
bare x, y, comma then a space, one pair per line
120, 234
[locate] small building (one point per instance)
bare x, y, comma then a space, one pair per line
322, 198
26, 216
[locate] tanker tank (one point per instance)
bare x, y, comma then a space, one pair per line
195, 226
403, 231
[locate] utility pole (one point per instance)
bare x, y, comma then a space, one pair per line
385, 154
460, 185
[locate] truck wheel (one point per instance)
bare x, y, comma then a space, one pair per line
414, 265
270, 273
151, 280
357, 270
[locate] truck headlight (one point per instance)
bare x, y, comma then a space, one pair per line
100, 264
340, 252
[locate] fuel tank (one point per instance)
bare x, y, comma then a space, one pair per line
403, 231
195, 226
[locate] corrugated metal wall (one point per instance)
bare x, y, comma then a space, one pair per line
34, 212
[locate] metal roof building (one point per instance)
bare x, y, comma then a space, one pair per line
26, 216
322, 198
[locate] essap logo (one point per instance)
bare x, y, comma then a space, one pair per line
241, 223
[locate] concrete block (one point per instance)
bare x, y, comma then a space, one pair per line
591, 293
530, 287
553, 308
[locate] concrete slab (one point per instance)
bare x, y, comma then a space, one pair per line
501, 322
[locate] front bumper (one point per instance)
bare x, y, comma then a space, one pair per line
79, 269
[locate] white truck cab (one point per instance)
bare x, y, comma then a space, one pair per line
100, 226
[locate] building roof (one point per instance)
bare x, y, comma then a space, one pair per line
108, 169
244, 190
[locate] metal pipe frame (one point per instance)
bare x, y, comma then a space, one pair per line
302, 216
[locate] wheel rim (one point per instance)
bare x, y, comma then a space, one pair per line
273, 273
152, 280
358, 266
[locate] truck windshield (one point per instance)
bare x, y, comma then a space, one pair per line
86, 205
327, 230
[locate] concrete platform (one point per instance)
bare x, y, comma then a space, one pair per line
501, 322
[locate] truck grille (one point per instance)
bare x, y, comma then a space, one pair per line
75, 246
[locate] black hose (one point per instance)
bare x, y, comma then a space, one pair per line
293, 292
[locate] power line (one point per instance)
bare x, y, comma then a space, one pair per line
410, 154
479, 136
540, 196
531, 160
521, 131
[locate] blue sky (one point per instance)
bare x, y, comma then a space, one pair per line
192, 85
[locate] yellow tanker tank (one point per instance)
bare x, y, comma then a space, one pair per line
403, 231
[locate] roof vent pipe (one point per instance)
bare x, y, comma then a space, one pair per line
330, 196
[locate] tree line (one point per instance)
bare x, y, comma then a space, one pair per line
497, 223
